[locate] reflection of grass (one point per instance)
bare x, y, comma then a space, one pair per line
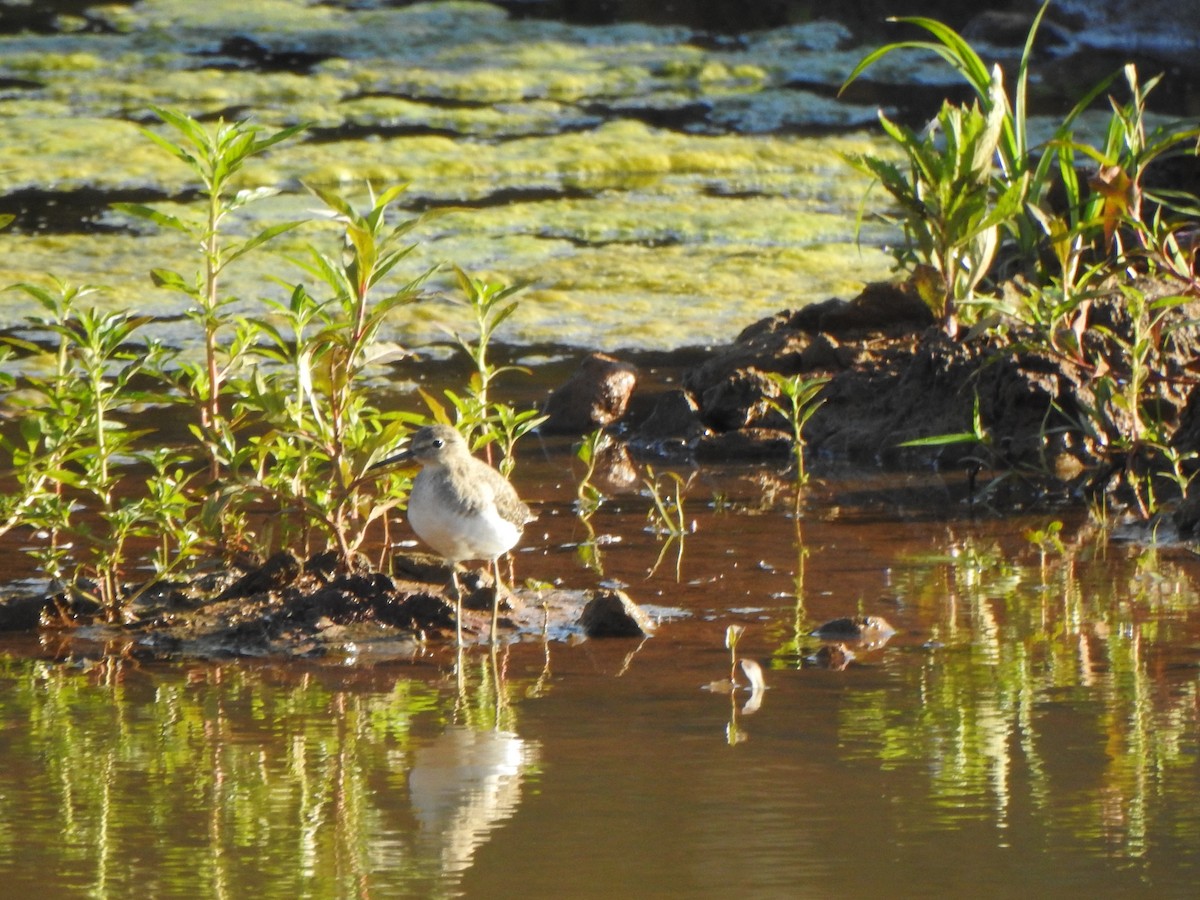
1012, 636
232, 756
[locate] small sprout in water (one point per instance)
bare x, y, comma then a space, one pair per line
733, 634
1047, 539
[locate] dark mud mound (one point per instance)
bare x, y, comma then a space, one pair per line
1039, 408
312, 608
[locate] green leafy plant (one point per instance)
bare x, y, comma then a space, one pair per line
803, 400
483, 421
1128, 401
74, 440
321, 432
952, 209
216, 158
588, 497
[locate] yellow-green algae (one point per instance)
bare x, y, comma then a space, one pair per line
660, 237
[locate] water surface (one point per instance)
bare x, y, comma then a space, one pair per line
1031, 727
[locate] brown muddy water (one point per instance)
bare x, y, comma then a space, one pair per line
1030, 729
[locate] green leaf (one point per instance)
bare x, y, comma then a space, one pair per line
162, 219
261, 238
962, 437
165, 278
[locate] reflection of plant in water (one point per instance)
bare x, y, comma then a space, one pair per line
209, 757
227, 764
1021, 652
588, 498
757, 684
666, 517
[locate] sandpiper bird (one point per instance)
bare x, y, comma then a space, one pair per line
461, 507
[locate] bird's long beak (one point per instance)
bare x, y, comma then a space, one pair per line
403, 456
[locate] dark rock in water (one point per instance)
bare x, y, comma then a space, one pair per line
748, 444
771, 345
24, 613
613, 614
1186, 516
869, 629
277, 572
421, 611
740, 401
595, 396
674, 422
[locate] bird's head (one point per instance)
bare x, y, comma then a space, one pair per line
431, 445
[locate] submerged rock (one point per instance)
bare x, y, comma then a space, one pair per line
873, 631
613, 614
673, 425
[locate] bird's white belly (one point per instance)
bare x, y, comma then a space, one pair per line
456, 537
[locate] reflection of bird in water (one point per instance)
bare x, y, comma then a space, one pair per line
461, 507
463, 784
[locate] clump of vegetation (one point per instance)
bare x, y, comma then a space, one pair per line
285, 430
1023, 240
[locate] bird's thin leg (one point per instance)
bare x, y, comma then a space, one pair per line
457, 603
495, 598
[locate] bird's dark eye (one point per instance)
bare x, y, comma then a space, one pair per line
437, 443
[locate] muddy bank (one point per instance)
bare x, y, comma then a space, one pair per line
1039, 410
288, 607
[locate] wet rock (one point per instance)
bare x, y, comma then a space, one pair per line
594, 397
816, 338
882, 307
24, 613
613, 614
615, 470
871, 630
672, 428
424, 610
426, 568
1186, 517
741, 400
770, 345
277, 572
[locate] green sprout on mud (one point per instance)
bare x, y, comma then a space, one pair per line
802, 402
483, 421
588, 497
